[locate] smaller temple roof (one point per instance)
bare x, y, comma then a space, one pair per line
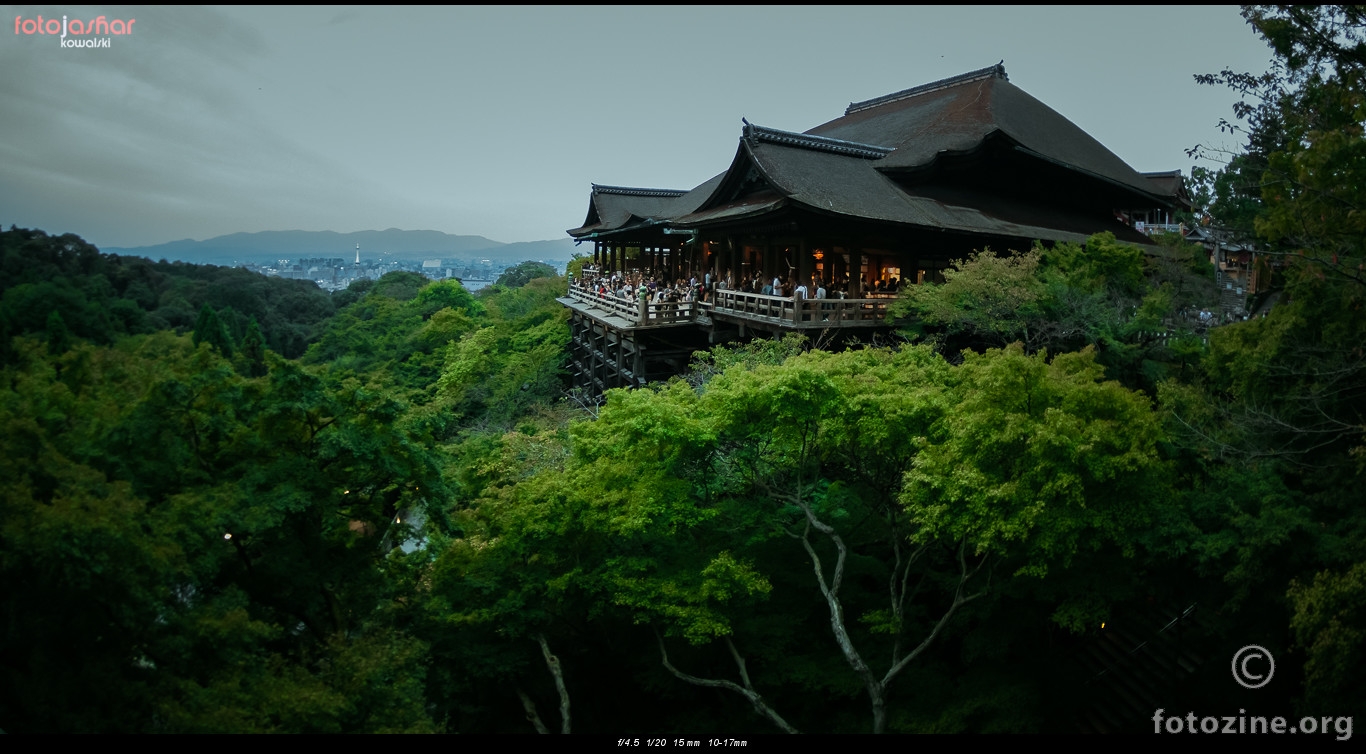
1171, 183
613, 208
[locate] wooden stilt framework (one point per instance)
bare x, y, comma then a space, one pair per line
608, 351
603, 356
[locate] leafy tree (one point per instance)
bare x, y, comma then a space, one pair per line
446, 294
400, 326
1042, 461
58, 334
1330, 613
501, 370
102, 297
519, 275
254, 350
1124, 302
1298, 374
681, 508
210, 329
400, 285
990, 298
220, 583
1274, 423
575, 266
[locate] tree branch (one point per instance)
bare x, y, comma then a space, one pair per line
553, 662
958, 601
531, 715
747, 691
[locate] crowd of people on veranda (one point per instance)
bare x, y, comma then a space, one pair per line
638, 286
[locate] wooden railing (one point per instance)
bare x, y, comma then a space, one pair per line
810, 313
631, 311
1155, 228
828, 312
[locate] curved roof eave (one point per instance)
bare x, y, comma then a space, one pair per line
980, 144
1168, 201
733, 178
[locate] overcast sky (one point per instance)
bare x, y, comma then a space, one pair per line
495, 121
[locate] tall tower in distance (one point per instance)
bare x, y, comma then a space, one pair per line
358, 253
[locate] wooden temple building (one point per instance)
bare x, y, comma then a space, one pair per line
885, 195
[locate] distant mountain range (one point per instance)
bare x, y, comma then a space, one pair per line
392, 244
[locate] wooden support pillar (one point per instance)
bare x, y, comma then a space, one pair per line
602, 357
637, 364
856, 272
804, 263
593, 353
734, 263
766, 263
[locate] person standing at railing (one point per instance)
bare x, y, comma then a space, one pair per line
799, 296
820, 297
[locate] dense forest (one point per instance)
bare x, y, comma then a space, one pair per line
232, 503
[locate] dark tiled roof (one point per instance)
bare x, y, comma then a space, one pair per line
844, 185
998, 70
956, 115
628, 191
759, 134
615, 207
751, 205
847, 186
1170, 183
846, 167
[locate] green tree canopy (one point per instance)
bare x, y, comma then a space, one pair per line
521, 274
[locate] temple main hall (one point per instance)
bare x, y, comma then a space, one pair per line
882, 197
